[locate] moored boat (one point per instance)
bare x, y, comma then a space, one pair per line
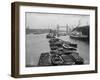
50, 35
44, 59
53, 40
67, 47
77, 58
83, 37
57, 60
67, 60
70, 44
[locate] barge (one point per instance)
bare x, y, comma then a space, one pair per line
61, 53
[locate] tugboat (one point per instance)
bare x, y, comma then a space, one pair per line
50, 35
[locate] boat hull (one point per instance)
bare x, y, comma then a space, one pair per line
80, 38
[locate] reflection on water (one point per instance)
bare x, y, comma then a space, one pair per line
37, 44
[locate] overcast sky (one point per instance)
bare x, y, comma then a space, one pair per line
42, 20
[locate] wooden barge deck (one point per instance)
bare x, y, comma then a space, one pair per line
65, 56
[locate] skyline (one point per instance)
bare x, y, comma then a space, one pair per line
45, 21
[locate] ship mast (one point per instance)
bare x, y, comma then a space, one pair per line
79, 23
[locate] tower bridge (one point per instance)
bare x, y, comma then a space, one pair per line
65, 30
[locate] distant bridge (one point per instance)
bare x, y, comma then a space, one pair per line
63, 32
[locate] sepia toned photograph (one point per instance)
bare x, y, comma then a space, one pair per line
54, 39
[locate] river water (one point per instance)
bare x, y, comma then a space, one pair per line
38, 43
